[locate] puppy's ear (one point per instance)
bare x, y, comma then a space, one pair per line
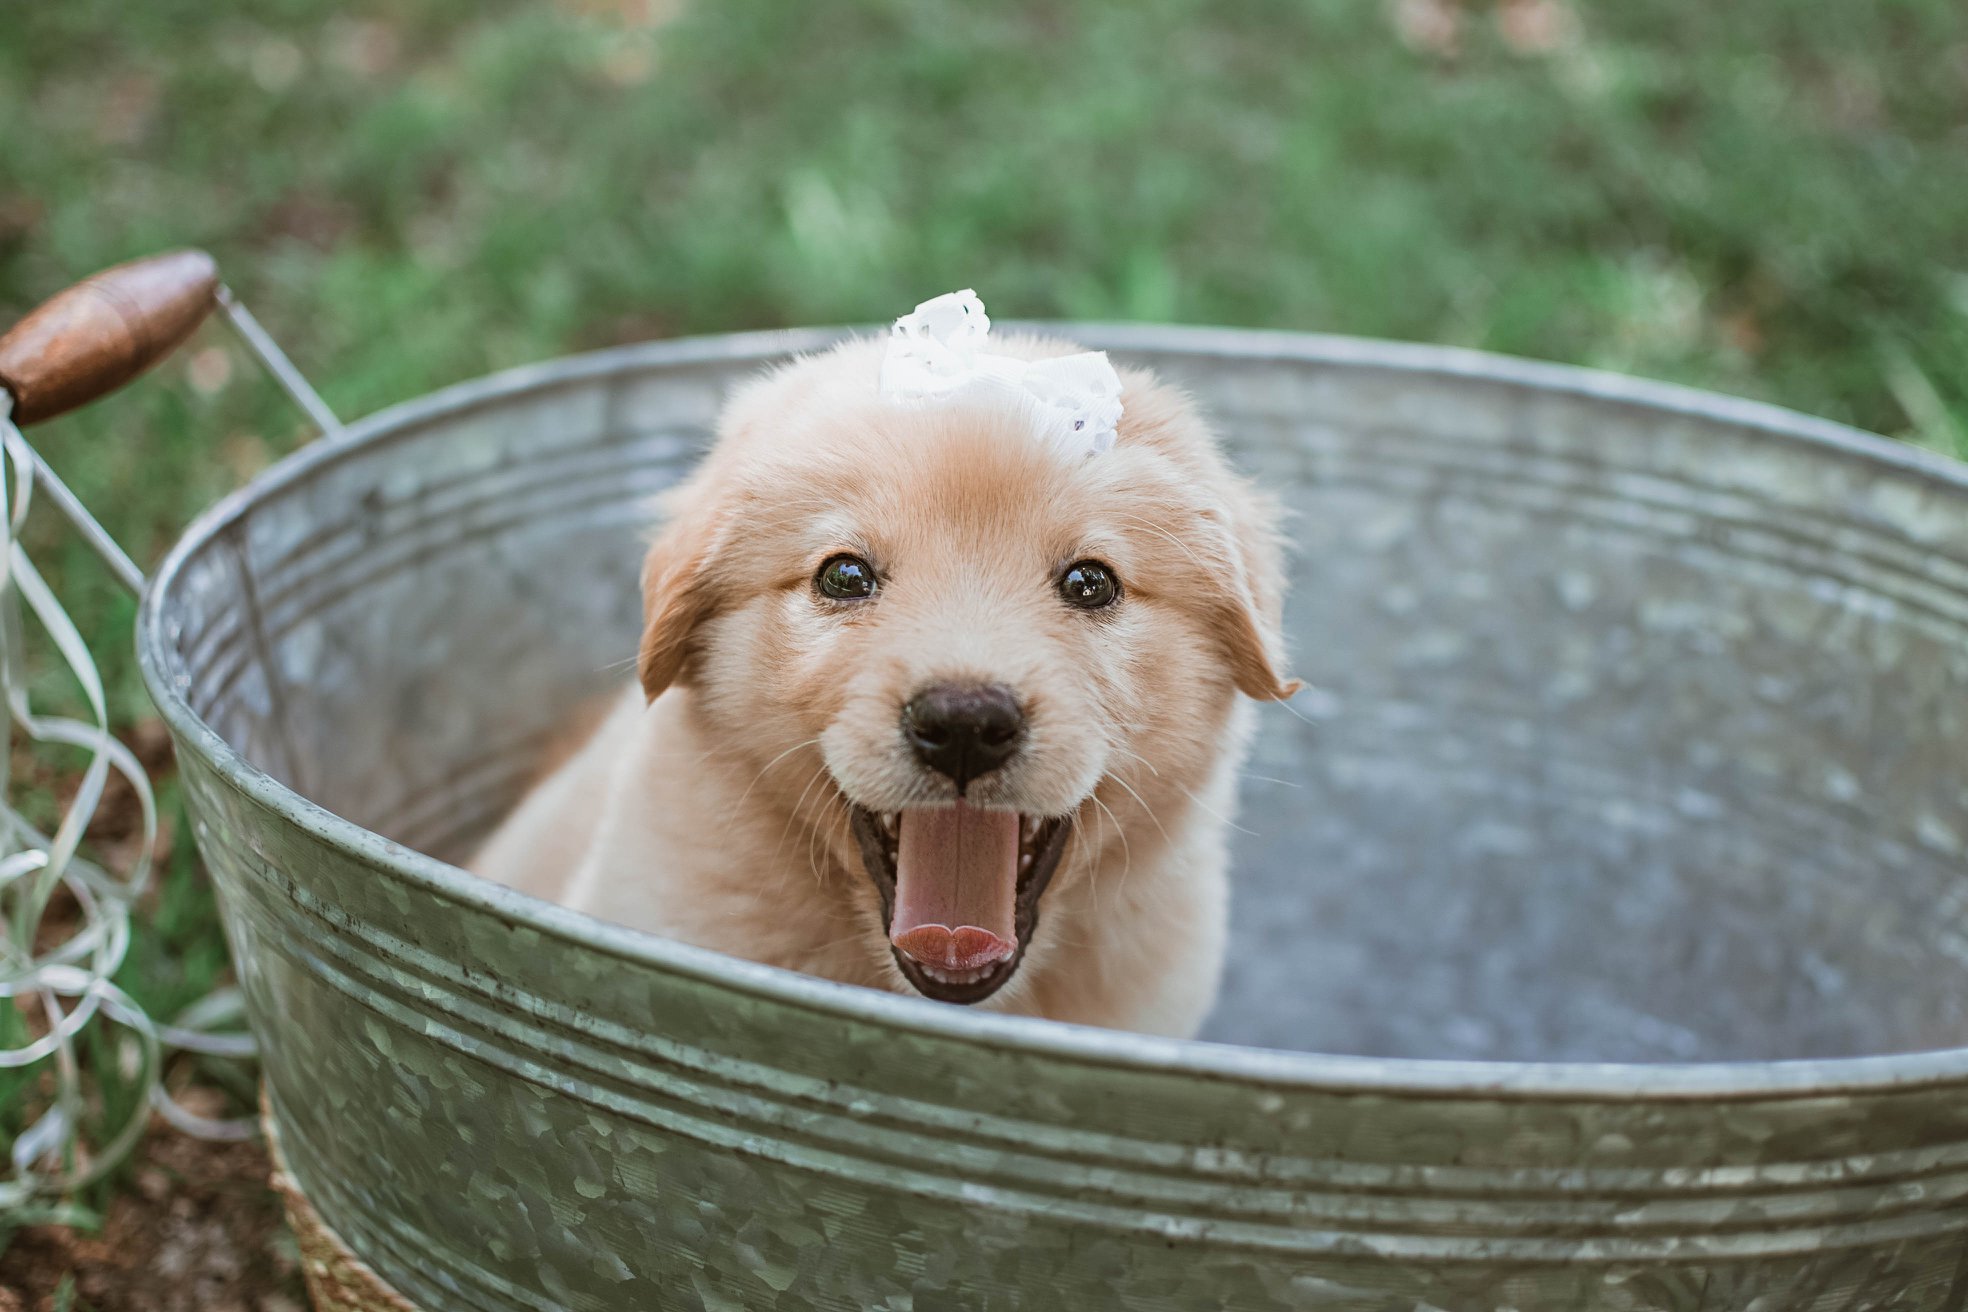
1251, 618
677, 595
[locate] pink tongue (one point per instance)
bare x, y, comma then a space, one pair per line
956, 886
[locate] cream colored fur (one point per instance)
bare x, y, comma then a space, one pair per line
711, 804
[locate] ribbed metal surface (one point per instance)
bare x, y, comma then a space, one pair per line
1647, 743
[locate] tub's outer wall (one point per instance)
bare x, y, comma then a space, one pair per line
634, 1138
641, 1126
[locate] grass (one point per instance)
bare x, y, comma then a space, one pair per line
1761, 197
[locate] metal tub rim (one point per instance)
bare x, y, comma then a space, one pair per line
1333, 1072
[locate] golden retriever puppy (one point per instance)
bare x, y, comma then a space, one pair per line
929, 705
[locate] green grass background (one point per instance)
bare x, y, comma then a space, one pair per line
1761, 196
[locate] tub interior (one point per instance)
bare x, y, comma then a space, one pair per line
1638, 734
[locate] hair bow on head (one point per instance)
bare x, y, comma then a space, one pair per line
935, 354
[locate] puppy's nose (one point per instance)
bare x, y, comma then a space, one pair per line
963, 732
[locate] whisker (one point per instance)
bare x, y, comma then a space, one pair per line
860, 935
1157, 529
785, 872
1117, 778
814, 835
1207, 808
1084, 857
1127, 849
1326, 700
793, 818
767, 766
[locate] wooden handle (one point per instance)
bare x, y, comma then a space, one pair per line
104, 331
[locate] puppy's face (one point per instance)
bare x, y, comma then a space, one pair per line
975, 643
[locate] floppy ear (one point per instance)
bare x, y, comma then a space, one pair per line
1251, 618
677, 596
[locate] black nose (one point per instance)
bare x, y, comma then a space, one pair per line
963, 732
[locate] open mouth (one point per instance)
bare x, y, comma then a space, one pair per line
960, 890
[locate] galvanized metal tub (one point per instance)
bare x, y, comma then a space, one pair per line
1603, 943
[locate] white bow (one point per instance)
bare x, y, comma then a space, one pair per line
935, 353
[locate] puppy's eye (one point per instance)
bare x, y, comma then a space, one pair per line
846, 578
1089, 585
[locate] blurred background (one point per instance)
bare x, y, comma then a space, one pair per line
1762, 197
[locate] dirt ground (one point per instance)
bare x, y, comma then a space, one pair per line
195, 1227
200, 1231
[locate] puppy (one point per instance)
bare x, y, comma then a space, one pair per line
931, 706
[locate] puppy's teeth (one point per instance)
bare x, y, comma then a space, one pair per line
955, 976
